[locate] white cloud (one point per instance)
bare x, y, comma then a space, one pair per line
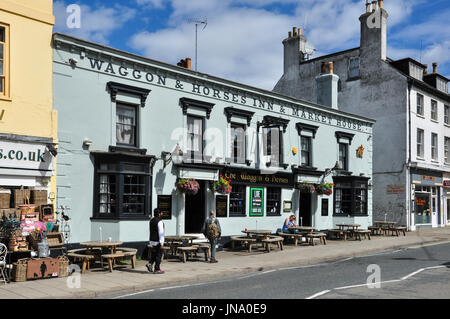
158, 4
96, 24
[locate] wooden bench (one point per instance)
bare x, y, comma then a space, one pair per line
206, 249
362, 232
77, 255
294, 237
186, 251
129, 252
397, 230
243, 240
375, 230
111, 258
337, 233
321, 236
165, 251
273, 240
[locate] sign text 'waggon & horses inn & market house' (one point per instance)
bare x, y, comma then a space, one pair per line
130, 128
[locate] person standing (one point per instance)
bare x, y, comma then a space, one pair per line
212, 231
156, 242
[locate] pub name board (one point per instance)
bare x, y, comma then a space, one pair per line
156, 77
247, 177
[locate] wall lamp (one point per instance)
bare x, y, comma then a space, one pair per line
328, 171
176, 156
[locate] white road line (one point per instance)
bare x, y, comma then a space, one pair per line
134, 294
319, 294
413, 273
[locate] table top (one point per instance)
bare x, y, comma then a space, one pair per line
184, 237
103, 243
257, 231
348, 225
384, 222
302, 227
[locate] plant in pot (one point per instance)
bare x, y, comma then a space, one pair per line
325, 189
188, 186
306, 187
222, 186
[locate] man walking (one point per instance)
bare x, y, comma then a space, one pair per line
212, 231
156, 242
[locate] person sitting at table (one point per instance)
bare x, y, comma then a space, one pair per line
288, 223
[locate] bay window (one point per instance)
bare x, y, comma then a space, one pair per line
350, 196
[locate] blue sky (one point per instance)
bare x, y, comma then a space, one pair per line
243, 38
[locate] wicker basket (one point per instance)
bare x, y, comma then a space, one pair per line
20, 197
63, 266
38, 197
55, 240
19, 270
5, 198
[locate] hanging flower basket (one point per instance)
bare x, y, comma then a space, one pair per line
306, 187
325, 189
188, 186
222, 186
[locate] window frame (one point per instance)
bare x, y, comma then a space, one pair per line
345, 163
350, 184
309, 140
420, 105
5, 77
350, 68
136, 124
446, 114
118, 166
434, 146
434, 110
267, 140
241, 211
235, 159
420, 143
277, 192
446, 150
195, 155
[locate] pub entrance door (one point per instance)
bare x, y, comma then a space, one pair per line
194, 211
304, 217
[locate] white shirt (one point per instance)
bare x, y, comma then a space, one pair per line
161, 235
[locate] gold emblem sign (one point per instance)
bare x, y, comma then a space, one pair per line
360, 151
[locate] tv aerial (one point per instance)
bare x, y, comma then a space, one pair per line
309, 50
197, 23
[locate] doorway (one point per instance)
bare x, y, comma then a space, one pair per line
194, 213
305, 209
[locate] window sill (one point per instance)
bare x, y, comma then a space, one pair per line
356, 78
420, 159
5, 98
421, 116
435, 121
447, 125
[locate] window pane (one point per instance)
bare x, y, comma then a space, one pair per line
1, 51
273, 201
126, 125
1, 67
237, 200
238, 143
2, 34
134, 194
107, 194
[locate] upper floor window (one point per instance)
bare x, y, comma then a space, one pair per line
195, 137
306, 146
343, 156
353, 68
434, 110
4, 50
420, 104
271, 144
446, 114
434, 146
446, 150
238, 144
420, 146
126, 125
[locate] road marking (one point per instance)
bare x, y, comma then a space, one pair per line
134, 294
382, 282
319, 294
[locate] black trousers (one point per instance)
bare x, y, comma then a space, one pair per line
156, 255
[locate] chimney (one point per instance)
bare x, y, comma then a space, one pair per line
294, 49
185, 63
373, 44
435, 67
425, 70
327, 87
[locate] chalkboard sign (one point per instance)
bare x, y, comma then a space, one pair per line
165, 205
221, 205
256, 201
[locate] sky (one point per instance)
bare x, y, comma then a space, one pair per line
242, 40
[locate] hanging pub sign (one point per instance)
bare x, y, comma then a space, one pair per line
255, 178
165, 206
221, 205
256, 201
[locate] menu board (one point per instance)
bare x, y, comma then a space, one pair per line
256, 201
165, 206
221, 205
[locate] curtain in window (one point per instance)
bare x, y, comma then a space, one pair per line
195, 132
125, 125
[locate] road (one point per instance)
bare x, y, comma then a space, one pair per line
416, 272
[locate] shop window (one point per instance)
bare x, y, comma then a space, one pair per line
273, 201
4, 63
237, 201
420, 140
350, 196
434, 110
126, 124
122, 187
420, 104
238, 145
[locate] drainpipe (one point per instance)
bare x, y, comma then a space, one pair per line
409, 220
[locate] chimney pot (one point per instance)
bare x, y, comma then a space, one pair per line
425, 70
290, 34
380, 4
367, 7
323, 68
294, 31
435, 65
188, 63
330, 67
299, 31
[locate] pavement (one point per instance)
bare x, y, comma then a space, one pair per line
102, 283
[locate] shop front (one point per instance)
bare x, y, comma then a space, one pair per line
428, 208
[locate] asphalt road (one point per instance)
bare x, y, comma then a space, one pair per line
408, 269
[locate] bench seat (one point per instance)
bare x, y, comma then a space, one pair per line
337, 233
186, 251
111, 258
273, 240
362, 232
320, 236
77, 254
243, 240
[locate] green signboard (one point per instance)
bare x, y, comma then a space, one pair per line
256, 201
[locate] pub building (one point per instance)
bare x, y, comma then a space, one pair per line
131, 128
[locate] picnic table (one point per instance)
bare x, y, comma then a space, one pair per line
306, 229
258, 233
384, 223
113, 255
112, 245
348, 226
